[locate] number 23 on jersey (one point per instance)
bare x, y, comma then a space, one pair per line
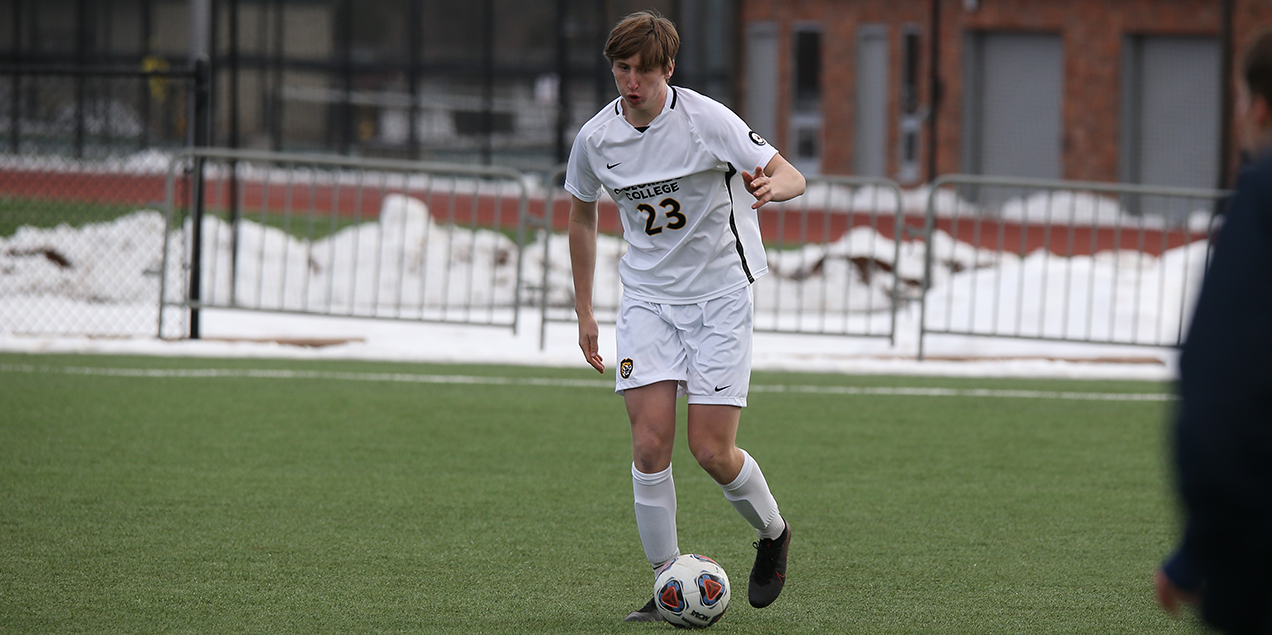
670, 211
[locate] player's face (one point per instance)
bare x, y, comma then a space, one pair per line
643, 89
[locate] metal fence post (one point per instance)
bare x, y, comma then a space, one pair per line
551, 183
202, 126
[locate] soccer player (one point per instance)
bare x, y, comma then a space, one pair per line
1223, 428
667, 156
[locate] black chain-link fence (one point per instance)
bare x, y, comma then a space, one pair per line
81, 186
96, 95
91, 113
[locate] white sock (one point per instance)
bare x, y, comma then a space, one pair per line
656, 515
750, 495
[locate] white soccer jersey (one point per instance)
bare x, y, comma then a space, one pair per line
688, 240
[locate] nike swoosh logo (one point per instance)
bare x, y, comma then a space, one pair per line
611, 166
719, 388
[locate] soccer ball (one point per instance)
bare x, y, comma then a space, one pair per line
692, 591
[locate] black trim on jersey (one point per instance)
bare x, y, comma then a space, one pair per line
733, 226
674, 95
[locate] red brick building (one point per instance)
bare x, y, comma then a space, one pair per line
1103, 90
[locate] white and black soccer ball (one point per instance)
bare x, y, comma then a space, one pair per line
692, 591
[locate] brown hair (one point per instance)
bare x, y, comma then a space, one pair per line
1257, 67
647, 33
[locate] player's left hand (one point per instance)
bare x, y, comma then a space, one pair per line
760, 185
589, 342
1171, 597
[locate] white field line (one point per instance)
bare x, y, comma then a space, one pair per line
212, 373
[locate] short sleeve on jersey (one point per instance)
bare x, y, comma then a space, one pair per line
580, 179
731, 139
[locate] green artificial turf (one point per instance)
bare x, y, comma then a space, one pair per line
146, 495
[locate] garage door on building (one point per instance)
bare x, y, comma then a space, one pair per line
761, 67
1171, 109
871, 132
1013, 104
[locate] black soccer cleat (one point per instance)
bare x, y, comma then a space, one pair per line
647, 613
768, 576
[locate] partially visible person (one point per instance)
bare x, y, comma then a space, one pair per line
1223, 427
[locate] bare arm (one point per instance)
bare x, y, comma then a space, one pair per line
583, 266
778, 181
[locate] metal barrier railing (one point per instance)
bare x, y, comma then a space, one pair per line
345, 237
989, 257
556, 214
833, 259
1063, 261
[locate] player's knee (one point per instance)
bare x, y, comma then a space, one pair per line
711, 458
650, 450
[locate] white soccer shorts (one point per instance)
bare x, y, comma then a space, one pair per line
705, 347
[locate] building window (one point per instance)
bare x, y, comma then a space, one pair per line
806, 116
807, 70
911, 116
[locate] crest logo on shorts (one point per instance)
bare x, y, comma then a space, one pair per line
757, 139
625, 368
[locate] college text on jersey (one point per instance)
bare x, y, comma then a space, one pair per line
648, 190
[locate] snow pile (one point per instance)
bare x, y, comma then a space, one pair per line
1075, 208
113, 262
398, 266
408, 265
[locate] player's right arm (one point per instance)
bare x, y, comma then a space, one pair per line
583, 266
778, 181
